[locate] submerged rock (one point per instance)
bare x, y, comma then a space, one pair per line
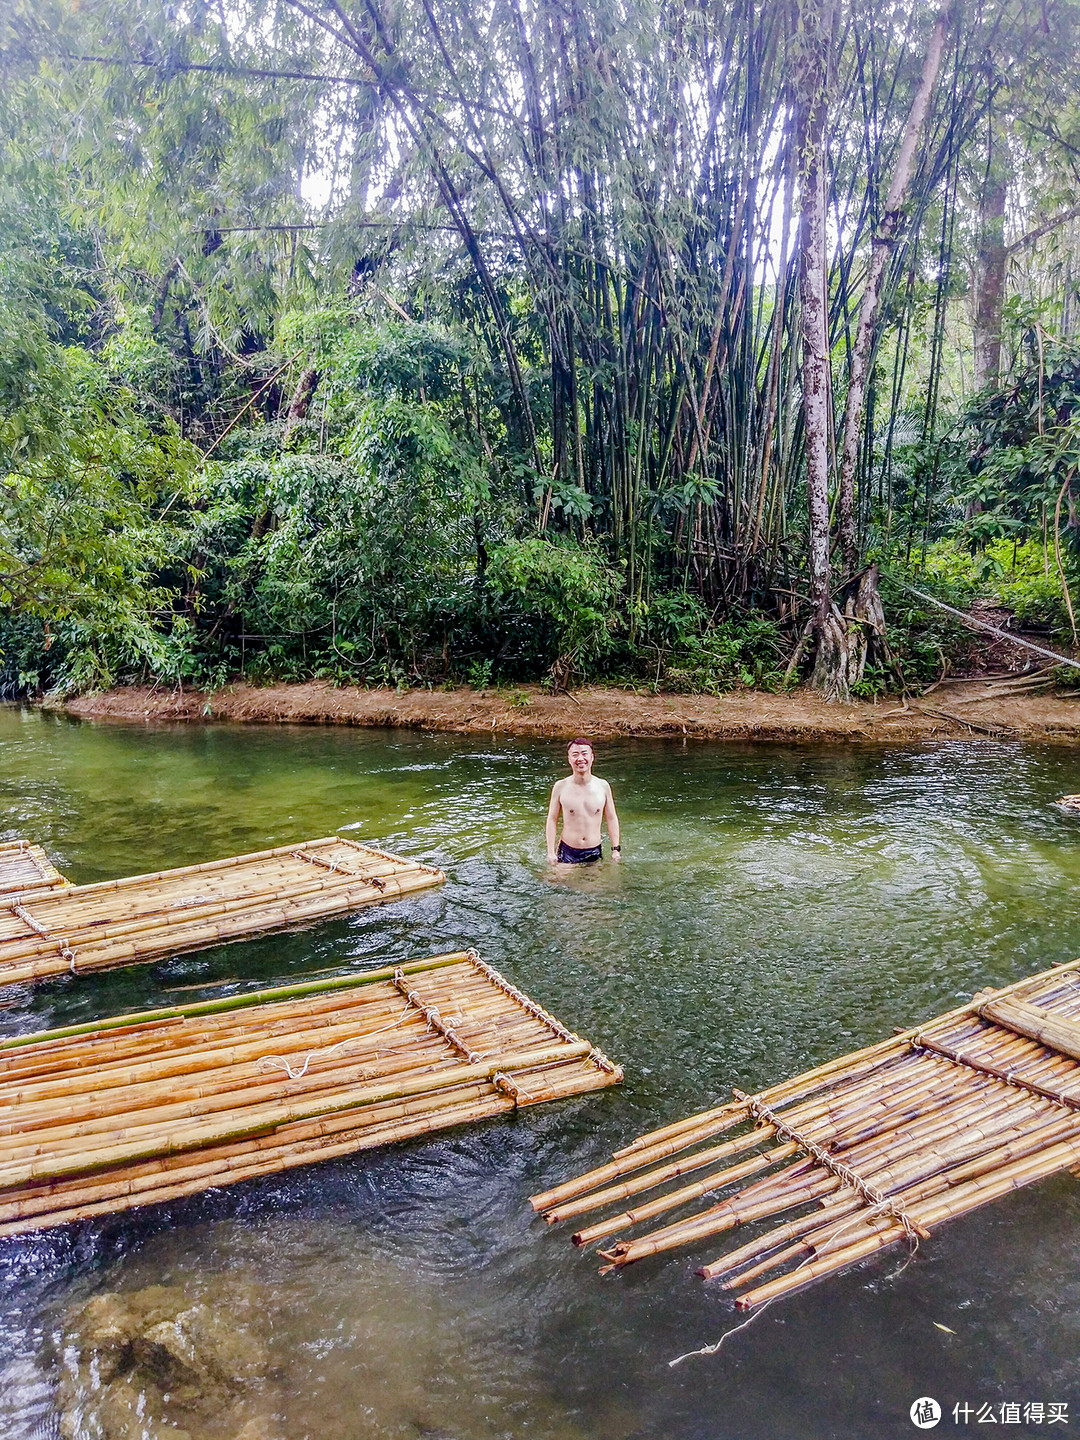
161, 1364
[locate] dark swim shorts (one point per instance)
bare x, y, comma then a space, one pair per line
567, 855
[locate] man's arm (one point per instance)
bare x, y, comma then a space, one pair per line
612, 818
553, 819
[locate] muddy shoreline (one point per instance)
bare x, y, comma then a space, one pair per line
960, 708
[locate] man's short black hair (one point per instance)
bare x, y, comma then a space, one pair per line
580, 741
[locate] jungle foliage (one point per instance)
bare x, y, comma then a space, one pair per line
424, 342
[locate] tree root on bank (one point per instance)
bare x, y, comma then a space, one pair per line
850, 636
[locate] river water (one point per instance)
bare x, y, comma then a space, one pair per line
777, 906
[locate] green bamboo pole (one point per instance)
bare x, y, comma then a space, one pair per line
233, 1002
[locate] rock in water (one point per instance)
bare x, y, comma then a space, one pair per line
161, 1364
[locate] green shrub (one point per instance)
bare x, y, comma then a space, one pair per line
677, 645
1020, 576
566, 591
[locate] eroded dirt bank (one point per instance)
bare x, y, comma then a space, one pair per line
968, 707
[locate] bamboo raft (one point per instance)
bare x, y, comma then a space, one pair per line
143, 1108
26, 867
859, 1154
51, 927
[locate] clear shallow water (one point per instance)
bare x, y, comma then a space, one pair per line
777, 906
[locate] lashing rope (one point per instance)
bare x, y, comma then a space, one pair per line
506, 1086
435, 1020
66, 952
875, 1198
338, 869
598, 1058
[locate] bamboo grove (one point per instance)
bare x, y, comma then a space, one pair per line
696, 272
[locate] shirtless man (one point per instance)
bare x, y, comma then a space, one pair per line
586, 802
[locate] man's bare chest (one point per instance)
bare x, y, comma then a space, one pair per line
582, 801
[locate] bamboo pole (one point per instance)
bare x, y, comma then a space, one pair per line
548, 1081
244, 1167
916, 1143
1036, 1023
249, 1000
817, 1230
718, 1180
194, 1035
962, 1201
204, 867
160, 1103
938, 1130
656, 1177
140, 917
378, 1028
81, 930
261, 1117
809, 1111
926, 1179
677, 1138
221, 877
222, 1090
72, 909
842, 1205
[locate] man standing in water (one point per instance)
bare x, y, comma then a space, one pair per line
586, 802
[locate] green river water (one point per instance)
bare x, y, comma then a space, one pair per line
777, 906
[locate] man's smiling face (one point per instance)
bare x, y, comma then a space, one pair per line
580, 758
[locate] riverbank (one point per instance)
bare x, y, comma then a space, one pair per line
964, 707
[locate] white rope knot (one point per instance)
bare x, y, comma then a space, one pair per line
299, 1072
506, 1086
270, 1061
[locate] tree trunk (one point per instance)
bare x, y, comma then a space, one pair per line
298, 405
814, 42
990, 260
881, 249
852, 637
